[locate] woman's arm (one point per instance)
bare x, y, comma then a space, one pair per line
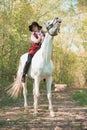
35, 40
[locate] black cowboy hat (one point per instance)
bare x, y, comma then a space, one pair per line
34, 24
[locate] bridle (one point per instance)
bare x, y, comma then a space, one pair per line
49, 27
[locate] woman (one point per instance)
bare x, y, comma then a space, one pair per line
37, 38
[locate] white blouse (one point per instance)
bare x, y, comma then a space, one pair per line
34, 39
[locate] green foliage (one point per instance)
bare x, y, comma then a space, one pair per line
2, 122
15, 38
81, 97
7, 101
65, 66
85, 70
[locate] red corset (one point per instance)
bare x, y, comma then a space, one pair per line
35, 46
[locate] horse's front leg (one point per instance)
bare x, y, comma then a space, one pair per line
49, 83
25, 96
36, 94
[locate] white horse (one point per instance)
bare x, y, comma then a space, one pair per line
41, 68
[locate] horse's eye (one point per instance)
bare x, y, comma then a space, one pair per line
59, 21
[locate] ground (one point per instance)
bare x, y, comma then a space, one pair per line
69, 115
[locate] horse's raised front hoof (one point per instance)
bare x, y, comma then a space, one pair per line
26, 111
52, 114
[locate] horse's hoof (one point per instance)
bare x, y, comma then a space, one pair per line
52, 114
26, 110
35, 113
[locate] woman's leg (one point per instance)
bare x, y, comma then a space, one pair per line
26, 67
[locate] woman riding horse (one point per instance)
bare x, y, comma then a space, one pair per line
37, 38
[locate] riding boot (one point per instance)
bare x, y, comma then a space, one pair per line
26, 67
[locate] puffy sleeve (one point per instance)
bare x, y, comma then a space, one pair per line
33, 39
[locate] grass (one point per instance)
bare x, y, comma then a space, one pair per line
81, 97
2, 122
7, 101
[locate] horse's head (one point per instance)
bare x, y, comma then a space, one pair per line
53, 26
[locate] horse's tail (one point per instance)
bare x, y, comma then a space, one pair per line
16, 86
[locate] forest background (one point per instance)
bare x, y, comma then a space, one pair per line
69, 52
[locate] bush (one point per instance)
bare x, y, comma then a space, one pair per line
64, 66
81, 97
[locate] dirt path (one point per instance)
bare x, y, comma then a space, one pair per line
69, 115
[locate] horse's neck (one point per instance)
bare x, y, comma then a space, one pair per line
46, 48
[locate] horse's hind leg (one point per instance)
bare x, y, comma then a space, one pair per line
25, 96
49, 83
